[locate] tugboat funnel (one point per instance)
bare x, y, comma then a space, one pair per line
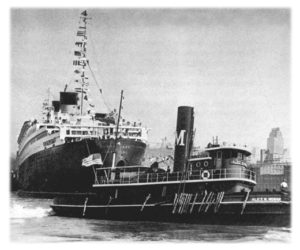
184, 136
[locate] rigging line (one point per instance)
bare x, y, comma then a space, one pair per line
107, 151
87, 146
68, 84
109, 108
97, 65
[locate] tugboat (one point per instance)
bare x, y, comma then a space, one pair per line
214, 187
50, 151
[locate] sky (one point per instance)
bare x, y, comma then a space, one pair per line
231, 65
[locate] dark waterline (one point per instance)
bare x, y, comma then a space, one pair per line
32, 221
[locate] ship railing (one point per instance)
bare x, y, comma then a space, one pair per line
205, 175
103, 132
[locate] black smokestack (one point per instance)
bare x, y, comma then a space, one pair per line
184, 136
68, 98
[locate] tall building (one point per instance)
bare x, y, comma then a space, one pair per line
263, 155
275, 145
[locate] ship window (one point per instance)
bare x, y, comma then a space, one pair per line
234, 154
226, 154
219, 154
240, 156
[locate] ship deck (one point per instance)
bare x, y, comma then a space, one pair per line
143, 178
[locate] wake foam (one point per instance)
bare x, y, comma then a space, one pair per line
20, 212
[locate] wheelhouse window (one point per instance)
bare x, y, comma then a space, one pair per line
227, 154
234, 154
240, 156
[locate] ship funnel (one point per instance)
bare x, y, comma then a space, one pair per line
56, 106
68, 102
184, 136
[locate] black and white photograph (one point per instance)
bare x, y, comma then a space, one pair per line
152, 124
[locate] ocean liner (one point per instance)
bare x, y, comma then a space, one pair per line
50, 151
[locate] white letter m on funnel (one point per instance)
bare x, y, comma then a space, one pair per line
180, 138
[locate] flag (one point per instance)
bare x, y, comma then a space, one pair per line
79, 44
84, 13
79, 90
79, 63
92, 159
77, 53
81, 33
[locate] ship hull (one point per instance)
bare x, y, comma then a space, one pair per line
58, 168
154, 213
232, 210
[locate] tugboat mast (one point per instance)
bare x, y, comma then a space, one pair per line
116, 138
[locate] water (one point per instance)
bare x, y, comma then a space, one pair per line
33, 221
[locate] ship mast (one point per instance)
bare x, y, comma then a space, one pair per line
81, 61
116, 139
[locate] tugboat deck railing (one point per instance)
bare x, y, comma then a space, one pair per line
175, 177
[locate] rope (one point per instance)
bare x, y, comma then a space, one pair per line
202, 202
245, 202
220, 200
192, 207
84, 208
147, 198
107, 206
209, 201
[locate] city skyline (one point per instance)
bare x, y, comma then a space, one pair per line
232, 65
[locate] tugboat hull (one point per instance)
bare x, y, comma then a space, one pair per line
229, 213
